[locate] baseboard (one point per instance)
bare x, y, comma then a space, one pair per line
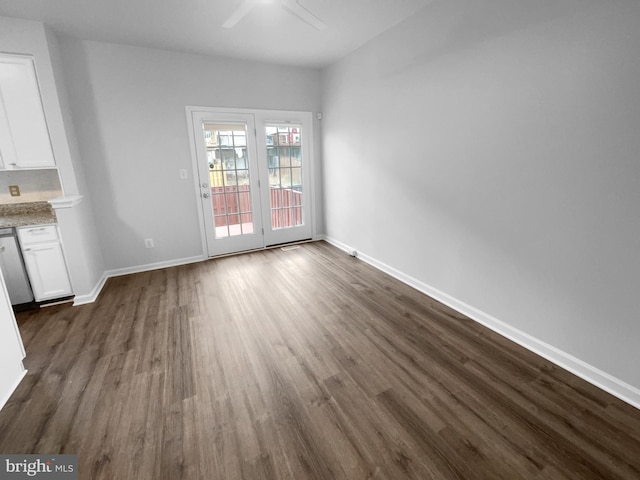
5, 398
154, 266
95, 292
93, 295
624, 391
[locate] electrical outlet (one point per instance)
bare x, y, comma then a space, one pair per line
14, 190
148, 243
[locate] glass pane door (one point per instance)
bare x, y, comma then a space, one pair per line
227, 168
254, 177
285, 166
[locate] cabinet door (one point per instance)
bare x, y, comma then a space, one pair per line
8, 156
47, 271
24, 137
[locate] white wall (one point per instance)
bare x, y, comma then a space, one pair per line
491, 150
128, 105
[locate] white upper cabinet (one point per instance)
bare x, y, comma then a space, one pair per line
24, 137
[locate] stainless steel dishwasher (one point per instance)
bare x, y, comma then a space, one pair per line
13, 271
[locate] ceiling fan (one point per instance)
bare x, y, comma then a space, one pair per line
292, 5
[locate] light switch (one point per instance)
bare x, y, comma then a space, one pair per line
14, 190
183, 174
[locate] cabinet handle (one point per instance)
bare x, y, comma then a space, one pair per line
38, 248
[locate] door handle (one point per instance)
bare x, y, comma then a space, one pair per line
205, 195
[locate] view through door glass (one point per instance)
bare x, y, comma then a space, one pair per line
227, 157
284, 158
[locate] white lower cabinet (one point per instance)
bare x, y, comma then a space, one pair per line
44, 259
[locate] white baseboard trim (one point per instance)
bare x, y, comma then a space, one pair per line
154, 266
95, 292
5, 398
624, 391
93, 295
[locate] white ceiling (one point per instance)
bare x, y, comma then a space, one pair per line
269, 33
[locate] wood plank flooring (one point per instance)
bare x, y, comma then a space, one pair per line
300, 364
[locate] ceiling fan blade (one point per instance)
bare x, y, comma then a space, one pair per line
304, 14
239, 13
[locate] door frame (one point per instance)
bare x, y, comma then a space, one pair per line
277, 116
229, 244
287, 118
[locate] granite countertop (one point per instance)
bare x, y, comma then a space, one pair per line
23, 214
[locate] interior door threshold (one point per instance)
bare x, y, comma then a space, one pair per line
282, 246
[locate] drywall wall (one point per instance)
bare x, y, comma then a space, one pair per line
77, 223
490, 149
128, 105
84, 257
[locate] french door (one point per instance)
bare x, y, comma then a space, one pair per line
254, 177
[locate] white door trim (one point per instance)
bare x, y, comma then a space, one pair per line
259, 115
305, 121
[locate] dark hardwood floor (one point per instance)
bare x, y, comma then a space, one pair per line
300, 364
